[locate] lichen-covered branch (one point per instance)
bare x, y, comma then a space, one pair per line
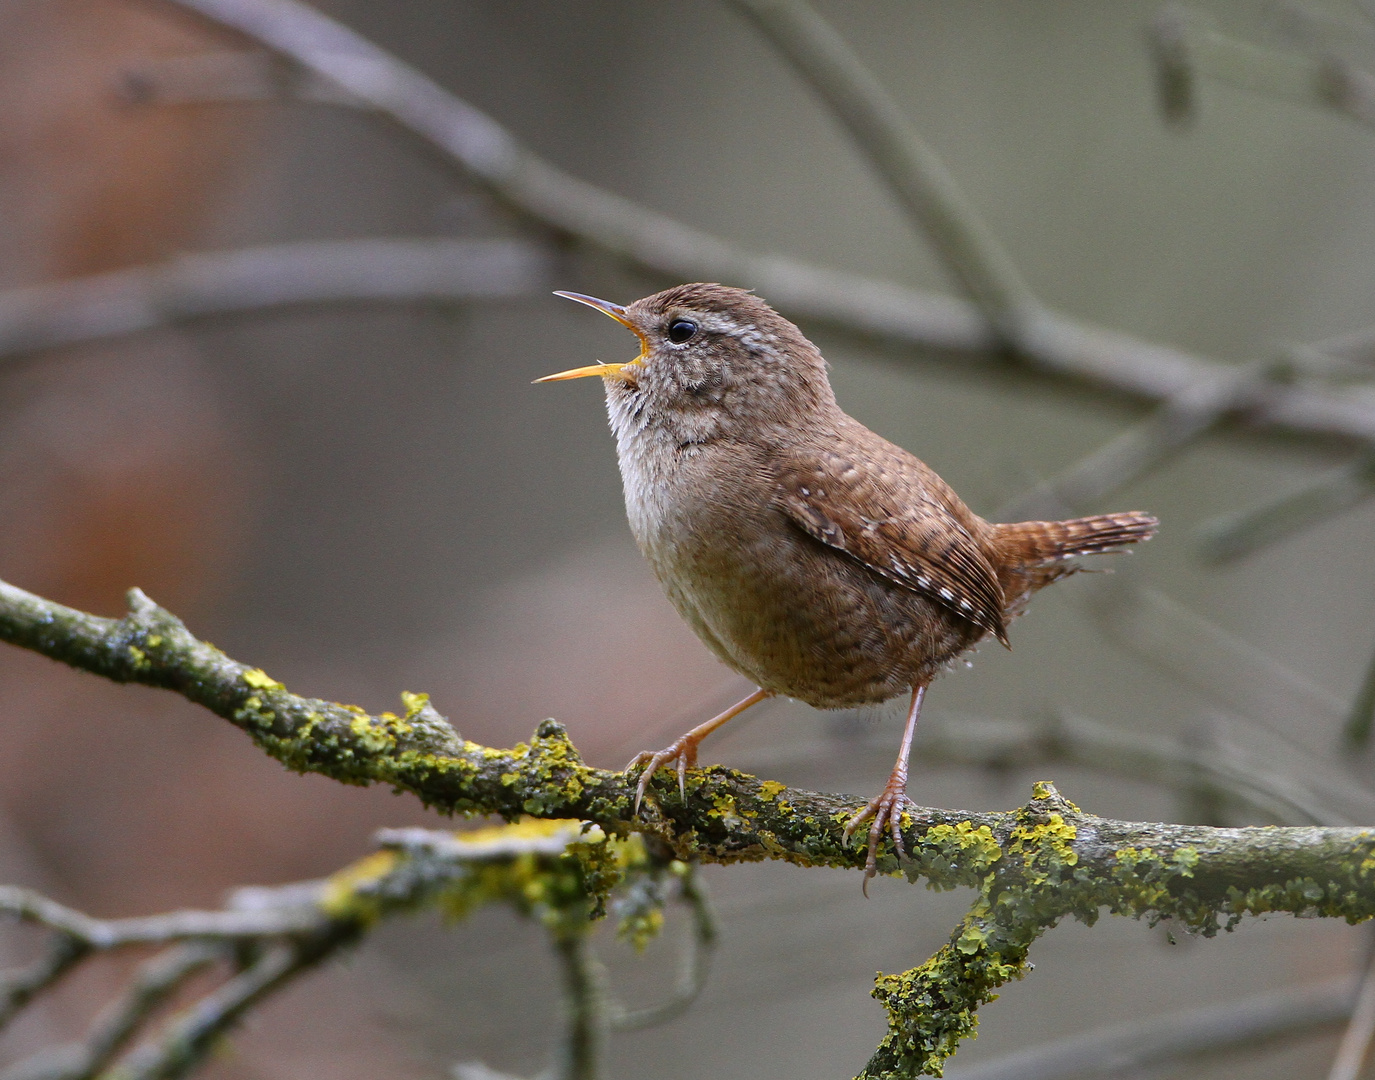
727, 816
1038, 875
560, 873
1031, 867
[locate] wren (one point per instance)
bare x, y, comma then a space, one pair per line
811, 555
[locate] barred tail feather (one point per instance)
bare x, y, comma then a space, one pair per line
1035, 552
1031, 542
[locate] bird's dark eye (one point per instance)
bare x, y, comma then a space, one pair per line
679, 330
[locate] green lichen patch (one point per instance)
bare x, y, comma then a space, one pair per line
559, 872
951, 855
934, 1007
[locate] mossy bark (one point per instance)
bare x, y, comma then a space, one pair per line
1030, 867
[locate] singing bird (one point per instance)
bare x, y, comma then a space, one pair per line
811, 555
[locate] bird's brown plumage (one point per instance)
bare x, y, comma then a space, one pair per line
809, 553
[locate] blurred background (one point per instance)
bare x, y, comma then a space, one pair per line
370, 497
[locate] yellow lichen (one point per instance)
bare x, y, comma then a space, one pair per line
341, 895
261, 680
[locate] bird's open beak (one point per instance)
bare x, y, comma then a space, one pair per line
606, 370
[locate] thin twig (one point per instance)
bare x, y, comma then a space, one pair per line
1186, 45
1356, 347
1228, 669
1176, 80
1355, 1044
579, 1056
477, 1070
1183, 419
692, 972
1059, 738
1051, 345
1121, 1049
272, 276
33, 907
152, 985
1356, 733
188, 1038
913, 171
1237, 675
1237, 536
18, 987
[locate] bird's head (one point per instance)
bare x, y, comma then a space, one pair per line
711, 357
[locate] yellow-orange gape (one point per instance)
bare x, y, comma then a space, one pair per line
814, 557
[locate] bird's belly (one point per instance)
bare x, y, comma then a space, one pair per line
802, 620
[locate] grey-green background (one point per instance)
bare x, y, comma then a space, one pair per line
423, 518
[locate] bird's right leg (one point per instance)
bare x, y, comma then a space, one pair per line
886, 809
683, 750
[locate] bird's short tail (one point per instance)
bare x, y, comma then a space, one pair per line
1035, 552
1035, 542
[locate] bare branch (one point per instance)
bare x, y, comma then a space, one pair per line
1227, 669
19, 987
188, 1039
1184, 418
220, 76
1355, 348
1051, 344
99, 934
1236, 536
580, 1050
152, 985
1123, 1049
1362, 716
692, 973
1355, 1044
913, 171
1186, 45
252, 279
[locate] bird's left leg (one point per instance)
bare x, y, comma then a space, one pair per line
886, 809
683, 750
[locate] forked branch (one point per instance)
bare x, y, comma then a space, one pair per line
1030, 867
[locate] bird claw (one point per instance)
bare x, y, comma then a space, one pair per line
886, 810
683, 753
